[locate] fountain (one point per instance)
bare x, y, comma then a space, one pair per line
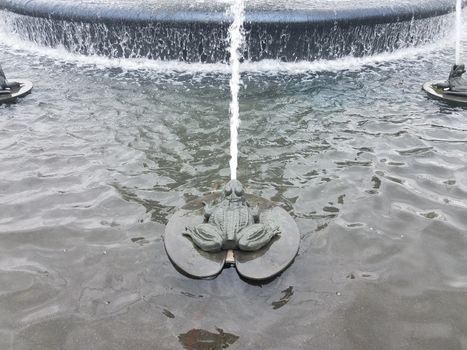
256, 236
454, 90
94, 163
11, 90
197, 31
231, 227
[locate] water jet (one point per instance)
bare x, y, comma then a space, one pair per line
256, 236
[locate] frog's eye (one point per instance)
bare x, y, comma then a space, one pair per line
239, 190
228, 190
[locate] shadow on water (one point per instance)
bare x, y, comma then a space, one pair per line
288, 293
200, 339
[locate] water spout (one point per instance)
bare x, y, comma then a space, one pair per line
459, 26
236, 38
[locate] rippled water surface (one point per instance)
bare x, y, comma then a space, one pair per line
93, 163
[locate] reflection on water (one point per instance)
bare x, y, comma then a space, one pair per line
200, 339
96, 159
288, 293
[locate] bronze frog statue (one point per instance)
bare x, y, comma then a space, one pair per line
456, 83
5, 85
232, 224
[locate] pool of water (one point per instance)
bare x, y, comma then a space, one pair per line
94, 162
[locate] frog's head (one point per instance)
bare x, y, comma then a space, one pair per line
457, 70
233, 191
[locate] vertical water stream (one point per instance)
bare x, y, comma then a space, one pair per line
237, 9
458, 31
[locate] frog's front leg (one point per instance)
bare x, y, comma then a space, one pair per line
207, 237
208, 209
255, 213
255, 237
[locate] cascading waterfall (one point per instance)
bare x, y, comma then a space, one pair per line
458, 31
198, 31
237, 9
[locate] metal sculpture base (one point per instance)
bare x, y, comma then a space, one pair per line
450, 97
9, 96
262, 264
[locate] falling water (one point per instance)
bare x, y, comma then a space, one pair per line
203, 42
236, 37
458, 31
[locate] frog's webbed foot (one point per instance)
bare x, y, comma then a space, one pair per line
12, 84
443, 85
255, 237
207, 237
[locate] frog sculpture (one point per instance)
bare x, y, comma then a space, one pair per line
5, 85
232, 224
455, 84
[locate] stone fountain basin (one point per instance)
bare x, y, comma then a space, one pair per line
197, 31
257, 11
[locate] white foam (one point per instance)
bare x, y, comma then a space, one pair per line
13, 43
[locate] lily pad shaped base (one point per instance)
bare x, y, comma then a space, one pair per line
9, 96
260, 265
450, 97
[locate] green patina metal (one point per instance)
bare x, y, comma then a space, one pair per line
456, 84
232, 223
11, 90
6, 85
